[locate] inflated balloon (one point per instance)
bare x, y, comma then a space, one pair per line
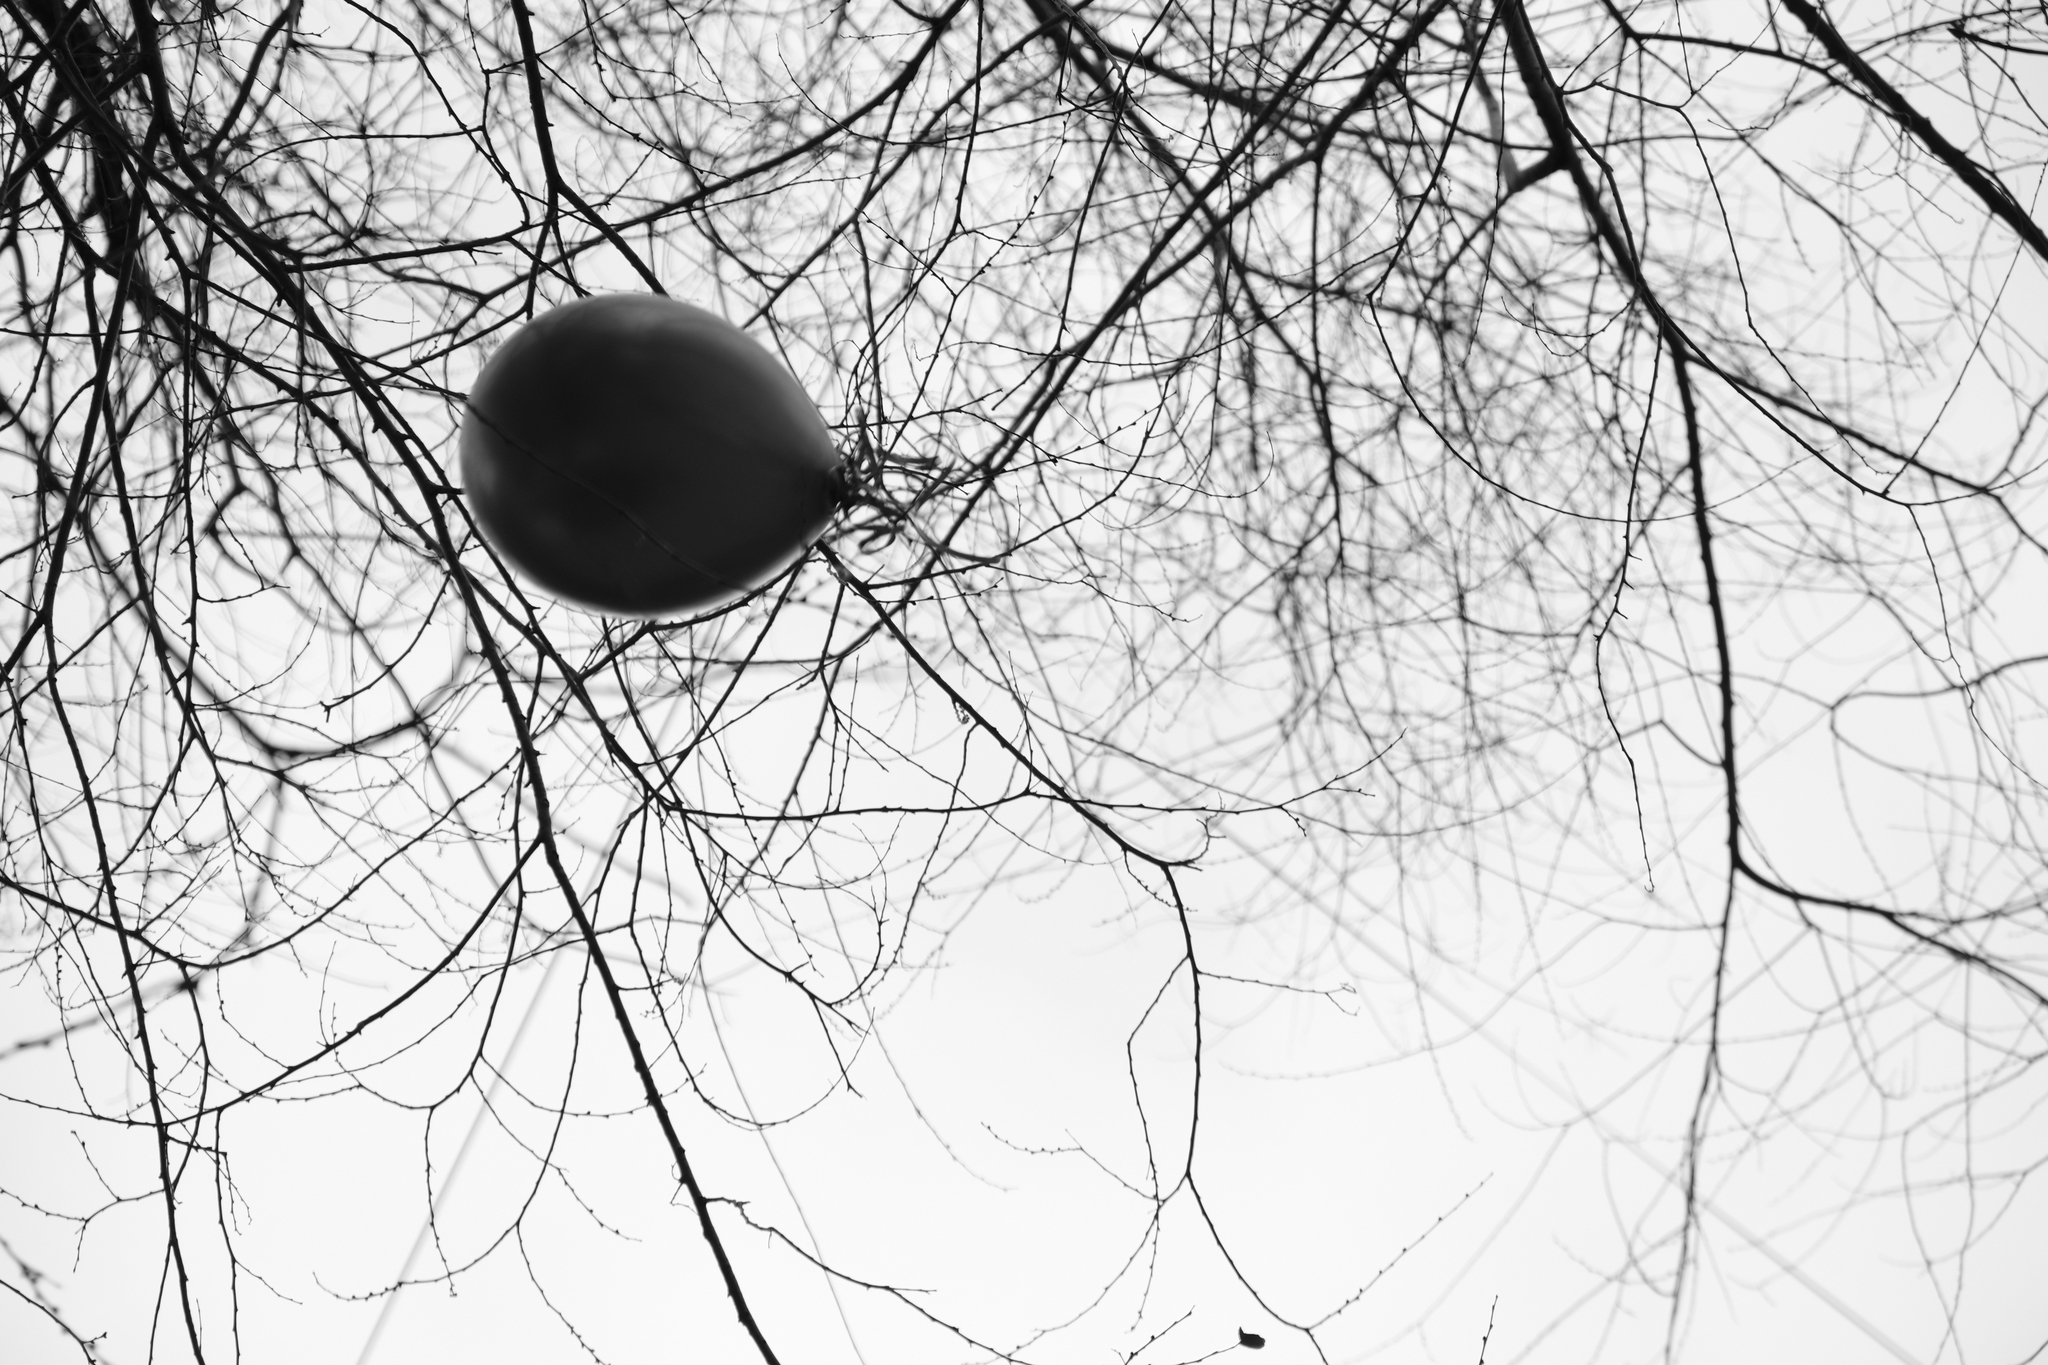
642, 457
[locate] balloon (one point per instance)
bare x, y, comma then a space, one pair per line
642, 457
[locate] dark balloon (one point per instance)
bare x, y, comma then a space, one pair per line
643, 457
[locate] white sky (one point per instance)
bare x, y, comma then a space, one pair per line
1455, 1118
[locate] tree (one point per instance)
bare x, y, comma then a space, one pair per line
1521, 524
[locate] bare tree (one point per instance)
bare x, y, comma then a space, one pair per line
1467, 512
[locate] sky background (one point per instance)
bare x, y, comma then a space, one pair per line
1457, 825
